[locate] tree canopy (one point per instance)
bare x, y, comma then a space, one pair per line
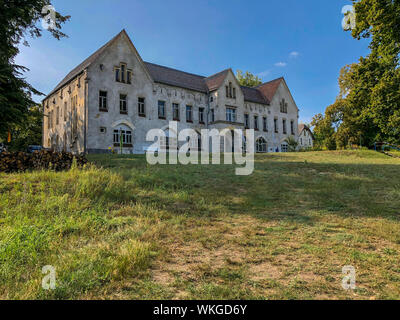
248, 79
19, 18
367, 109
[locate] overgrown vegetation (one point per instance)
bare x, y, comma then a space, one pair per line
134, 231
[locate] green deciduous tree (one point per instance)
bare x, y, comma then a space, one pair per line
19, 18
29, 131
368, 106
248, 79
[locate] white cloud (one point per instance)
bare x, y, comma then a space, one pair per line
264, 73
280, 64
294, 54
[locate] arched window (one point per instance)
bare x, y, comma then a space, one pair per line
261, 145
122, 136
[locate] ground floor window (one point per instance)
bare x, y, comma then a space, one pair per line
284, 148
261, 145
123, 136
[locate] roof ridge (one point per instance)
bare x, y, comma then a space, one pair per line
280, 78
189, 73
255, 88
84, 64
218, 73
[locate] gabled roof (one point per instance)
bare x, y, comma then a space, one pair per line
215, 81
269, 89
262, 94
253, 95
304, 127
70, 76
176, 78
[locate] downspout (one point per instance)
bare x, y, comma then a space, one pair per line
86, 113
43, 123
208, 108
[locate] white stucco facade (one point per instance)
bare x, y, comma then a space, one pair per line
89, 106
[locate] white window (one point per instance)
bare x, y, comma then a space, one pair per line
230, 114
261, 145
122, 136
284, 148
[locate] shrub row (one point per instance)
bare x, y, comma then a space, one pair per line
45, 159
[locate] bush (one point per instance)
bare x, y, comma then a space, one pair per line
20, 161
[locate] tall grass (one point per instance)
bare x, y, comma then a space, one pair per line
124, 229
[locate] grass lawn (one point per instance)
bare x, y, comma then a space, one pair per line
126, 230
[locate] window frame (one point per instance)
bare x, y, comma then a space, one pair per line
176, 112
230, 116
265, 124
141, 105
201, 115
161, 103
189, 113
123, 103
263, 144
255, 123
103, 100
246, 121
126, 138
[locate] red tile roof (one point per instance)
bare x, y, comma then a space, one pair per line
268, 89
215, 81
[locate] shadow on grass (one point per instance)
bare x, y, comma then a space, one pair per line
279, 189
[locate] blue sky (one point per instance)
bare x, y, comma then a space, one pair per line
300, 40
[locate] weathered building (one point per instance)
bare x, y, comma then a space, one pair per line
306, 137
114, 95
